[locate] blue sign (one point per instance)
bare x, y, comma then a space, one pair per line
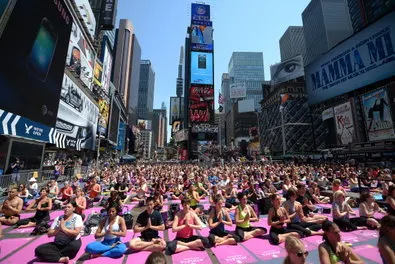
121, 136
201, 68
363, 59
200, 12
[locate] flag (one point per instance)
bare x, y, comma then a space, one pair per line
221, 99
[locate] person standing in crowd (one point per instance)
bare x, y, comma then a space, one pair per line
42, 205
244, 215
66, 230
111, 229
15, 167
185, 221
386, 243
296, 252
218, 218
333, 251
11, 208
148, 224
341, 212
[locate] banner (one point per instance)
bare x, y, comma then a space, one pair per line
377, 112
104, 110
88, 18
80, 57
98, 73
33, 49
344, 123
238, 90
77, 117
107, 66
201, 104
287, 70
363, 59
326, 114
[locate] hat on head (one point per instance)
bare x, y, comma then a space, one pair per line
32, 179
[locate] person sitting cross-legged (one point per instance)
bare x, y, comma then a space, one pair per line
112, 228
148, 224
11, 208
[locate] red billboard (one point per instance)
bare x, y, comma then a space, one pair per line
201, 104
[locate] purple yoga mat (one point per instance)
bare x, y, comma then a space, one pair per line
368, 251
233, 254
191, 256
55, 214
314, 240
204, 232
324, 205
26, 216
102, 260
350, 237
264, 250
9, 245
366, 234
27, 230
138, 257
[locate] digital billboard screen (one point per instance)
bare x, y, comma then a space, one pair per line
200, 12
201, 104
201, 68
107, 66
33, 49
202, 37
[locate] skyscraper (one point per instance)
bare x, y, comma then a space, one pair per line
292, 43
134, 83
180, 80
325, 24
365, 12
159, 127
146, 91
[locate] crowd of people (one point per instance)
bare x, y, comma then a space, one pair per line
237, 195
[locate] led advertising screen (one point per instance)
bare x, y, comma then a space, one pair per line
377, 115
287, 70
201, 104
107, 66
202, 37
200, 12
77, 117
80, 57
344, 123
104, 110
33, 50
201, 68
176, 104
98, 73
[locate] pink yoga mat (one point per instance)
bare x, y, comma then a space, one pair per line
27, 215
314, 240
263, 249
138, 257
233, 254
366, 234
204, 232
102, 260
191, 256
27, 230
55, 214
84, 241
9, 245
350, 237
368, 251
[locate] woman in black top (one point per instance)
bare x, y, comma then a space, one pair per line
42, 205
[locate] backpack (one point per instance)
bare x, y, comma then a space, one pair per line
40, 229
93, 221
128, 220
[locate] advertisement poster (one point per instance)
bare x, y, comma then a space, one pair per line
107, 65
377, 115
98, 73
88, 17
33, 48
77, 117
175, 109
201, 104
104, 110
121, 136
238, 90
287, 70
143, 124
200, 12
201, 68
344, 123
80, 57
202, 37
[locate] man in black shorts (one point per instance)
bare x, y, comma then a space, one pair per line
148, 224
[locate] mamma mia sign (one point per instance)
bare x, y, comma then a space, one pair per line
365, 58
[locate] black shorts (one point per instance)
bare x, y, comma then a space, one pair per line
148, 239
240, 231
221, 233
171, 246
8, 217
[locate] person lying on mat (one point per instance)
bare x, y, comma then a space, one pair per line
42, 206
276, 219
218, 218
244, 215
333, 251
185, 221
111, 228
367, 208
11, 208
386, 243
297, 254
66, 230
148, 224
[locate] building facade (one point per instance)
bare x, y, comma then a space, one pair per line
292, 43
146, 146
159, 128
325, 24
135, 81
146, 91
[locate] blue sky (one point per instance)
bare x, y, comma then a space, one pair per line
239, 25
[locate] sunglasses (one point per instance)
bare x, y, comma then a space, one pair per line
301, 254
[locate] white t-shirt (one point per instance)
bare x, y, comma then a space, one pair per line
73, 223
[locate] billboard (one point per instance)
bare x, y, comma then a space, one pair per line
143, 124
88, 18
80, 57
175, 113
363, 59
176, 126
377, 115
238, 90
200, 12
287, 70
107, 66
33, 50
201, 68
98, 73
327, 114
344, 123
201, 104
121, 136
77, 117
114, 122
202, 37
107, 14
104, 110
247, 105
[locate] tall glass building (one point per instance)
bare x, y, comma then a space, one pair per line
146, 91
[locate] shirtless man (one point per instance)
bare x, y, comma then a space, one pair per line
11, 208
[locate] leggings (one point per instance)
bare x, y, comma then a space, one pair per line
51, 252
106, 249
304, 228
274, 232
347, 225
